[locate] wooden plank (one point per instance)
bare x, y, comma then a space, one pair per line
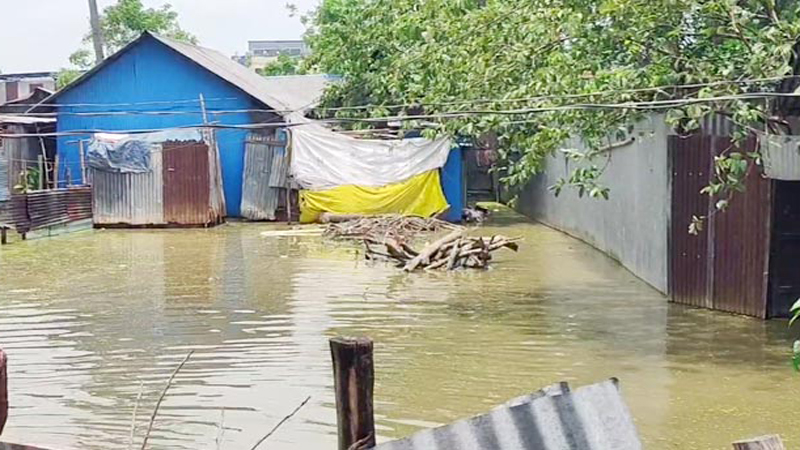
3, 390
769, 442
354, 378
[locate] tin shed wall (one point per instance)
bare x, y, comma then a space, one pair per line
632, 226
151, 72
725, 266
130, 198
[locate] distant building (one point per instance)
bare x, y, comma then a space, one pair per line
14, 86
261, 53
273, 49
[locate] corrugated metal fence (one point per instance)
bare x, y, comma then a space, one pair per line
724, 266
40, 209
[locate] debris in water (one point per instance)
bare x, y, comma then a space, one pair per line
450, 252
382, 228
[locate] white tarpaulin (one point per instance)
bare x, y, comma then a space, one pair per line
323, 159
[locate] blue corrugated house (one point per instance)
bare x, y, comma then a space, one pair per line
156, 83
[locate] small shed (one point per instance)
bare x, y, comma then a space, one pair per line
156, 83
155, 180
21, 151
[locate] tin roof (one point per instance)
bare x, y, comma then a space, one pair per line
555, 418
283, 94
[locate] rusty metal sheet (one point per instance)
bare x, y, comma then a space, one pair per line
690, 160
741, 244
58, 206
130, 198
186, 184
724, 267
259, 199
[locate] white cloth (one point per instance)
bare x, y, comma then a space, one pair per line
323, 159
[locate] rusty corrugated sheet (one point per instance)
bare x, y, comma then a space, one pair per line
725, 266
186, 184
130, 198
691, 162
741, 244
590, 418
260, 199
58, 206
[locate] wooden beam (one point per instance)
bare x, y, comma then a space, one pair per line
3, 391
354, 378
770, 442
3, 240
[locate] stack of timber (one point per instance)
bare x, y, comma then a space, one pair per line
383, 227
451, 252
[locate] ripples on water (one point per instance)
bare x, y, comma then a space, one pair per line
88, 318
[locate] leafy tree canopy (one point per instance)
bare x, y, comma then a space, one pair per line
283, 65
486, 64
121, 24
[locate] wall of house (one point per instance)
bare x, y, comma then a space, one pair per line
633, 225
151, 72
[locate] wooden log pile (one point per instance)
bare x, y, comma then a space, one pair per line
381, 228
451, 252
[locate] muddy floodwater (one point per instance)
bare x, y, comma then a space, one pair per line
91, 319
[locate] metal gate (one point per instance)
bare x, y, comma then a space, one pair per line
724, 266
265, 173
186, 184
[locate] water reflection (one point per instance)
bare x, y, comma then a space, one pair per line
89, 317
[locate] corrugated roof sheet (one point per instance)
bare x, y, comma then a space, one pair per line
590, 418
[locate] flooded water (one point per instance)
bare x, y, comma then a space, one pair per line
91, 319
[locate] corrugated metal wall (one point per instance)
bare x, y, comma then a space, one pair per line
633, 225
153, 73
690, 164
265, 172
725, 267
186, 184
5, 186
130, 198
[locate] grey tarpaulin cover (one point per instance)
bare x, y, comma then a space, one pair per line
590, 418
130, 153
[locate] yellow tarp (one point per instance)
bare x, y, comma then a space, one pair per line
418, 196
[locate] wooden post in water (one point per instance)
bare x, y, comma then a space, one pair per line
354, 377
3, 235
3, 391
770, 442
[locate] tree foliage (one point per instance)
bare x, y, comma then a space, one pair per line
283, 65
120, 24
486, 64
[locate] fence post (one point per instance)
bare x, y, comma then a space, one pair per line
770, 442
3, 235
3, 391
354, 377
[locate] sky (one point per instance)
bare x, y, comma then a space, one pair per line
39, 35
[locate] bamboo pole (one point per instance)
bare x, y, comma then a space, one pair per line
354, 377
